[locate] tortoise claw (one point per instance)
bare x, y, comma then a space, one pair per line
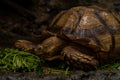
24, 45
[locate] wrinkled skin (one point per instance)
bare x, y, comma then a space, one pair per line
81, 36
55, 48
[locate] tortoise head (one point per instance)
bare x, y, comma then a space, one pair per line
39, 50
49, 47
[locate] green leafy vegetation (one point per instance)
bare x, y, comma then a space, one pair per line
112, 65
15, 60
54, 68
19, 61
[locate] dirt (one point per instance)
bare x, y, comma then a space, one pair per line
79, 75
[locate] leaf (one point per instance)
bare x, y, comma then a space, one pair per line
15, 60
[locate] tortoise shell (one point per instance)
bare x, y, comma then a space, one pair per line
89, 26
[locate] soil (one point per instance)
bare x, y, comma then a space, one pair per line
79, 75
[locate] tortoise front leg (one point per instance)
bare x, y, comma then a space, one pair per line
25, 45
78, 59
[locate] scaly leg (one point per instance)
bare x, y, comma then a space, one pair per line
78, 59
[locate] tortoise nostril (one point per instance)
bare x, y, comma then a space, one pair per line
38, 48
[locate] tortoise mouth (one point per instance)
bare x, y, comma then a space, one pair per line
39, 50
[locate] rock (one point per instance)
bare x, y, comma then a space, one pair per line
79, 75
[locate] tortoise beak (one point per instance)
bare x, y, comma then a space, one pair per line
38, 50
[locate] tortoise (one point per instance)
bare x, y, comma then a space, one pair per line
81, 36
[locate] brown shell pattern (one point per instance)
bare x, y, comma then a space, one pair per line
90, 26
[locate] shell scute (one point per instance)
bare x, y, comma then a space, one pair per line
90, 26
